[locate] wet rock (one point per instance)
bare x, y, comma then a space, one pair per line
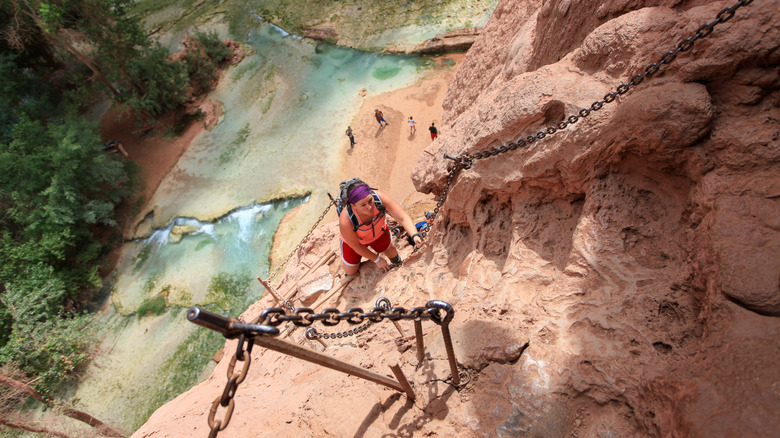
323, 32
179, 231
458, 40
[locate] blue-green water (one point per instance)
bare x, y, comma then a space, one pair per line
150, 352
286, 107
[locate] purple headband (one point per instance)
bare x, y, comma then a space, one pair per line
358, 193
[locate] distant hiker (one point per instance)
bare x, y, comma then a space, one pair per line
380, 117
412, 126
434, 132
363, 225
115, 145
351, 137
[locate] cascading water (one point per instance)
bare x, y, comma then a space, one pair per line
286, 108
150, 352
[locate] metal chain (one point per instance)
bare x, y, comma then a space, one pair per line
243, 354
466, 160
305, 317
453, 171
313, 334
305, 239
438, 311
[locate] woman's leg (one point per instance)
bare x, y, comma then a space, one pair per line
349, 258
387, 248
350, 270
391, 252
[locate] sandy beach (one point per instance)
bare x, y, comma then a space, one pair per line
384, 156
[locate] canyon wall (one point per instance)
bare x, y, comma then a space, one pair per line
620, 277
653, 224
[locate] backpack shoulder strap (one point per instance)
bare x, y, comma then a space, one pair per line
353, 218
378, 203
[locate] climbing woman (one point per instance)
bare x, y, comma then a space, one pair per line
363, 225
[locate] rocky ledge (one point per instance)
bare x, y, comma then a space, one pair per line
458, 40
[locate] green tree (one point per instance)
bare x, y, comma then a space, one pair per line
162, 83
56, 186
123, 58
205, 53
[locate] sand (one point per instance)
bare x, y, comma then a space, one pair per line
383, 156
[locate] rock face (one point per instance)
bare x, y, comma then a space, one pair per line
458, 40
323, 32
618, 278
637, 228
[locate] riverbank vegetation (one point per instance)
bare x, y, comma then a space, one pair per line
359, 24
59, 184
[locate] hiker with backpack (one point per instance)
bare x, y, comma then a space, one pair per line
363, 226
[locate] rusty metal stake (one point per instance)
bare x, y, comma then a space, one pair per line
328, 362
270, 289
402, 380
418, 334
398, 327
445, 332
231, 328
323, 260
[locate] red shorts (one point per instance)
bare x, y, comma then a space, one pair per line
352, 258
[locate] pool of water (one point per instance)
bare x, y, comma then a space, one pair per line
282, 137
286, 109
150, 352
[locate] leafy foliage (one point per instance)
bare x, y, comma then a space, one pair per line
56, 184
137, 71
205, 53
22, 91
162, 83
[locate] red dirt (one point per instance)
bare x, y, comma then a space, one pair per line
154, 153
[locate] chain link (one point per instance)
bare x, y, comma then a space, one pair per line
305, 239
313, 334
466, 160
305, 317
357, 312
453, 171
243, 354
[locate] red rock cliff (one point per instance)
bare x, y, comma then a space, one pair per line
636, 251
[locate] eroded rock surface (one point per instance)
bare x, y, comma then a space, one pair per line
458, 40
618, 278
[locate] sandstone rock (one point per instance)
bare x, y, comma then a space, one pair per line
323, 32
611, 279
458, 40
212, 111
313, 285
178, 231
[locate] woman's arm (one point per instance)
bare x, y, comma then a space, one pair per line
398, 213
